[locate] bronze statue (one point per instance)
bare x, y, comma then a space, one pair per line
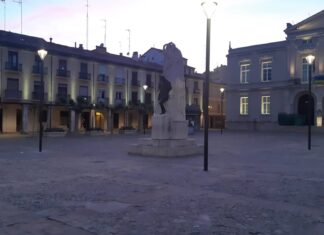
164, 89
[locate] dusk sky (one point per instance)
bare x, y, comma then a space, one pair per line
153, 23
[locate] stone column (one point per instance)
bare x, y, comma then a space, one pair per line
110, 121
25, 118
49, 117
72, 121
92, 118
126, 118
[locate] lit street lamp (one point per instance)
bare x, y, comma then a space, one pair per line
209, 8
144, 87
222, 108
310, 59
42, 54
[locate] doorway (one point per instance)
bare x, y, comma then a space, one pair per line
303, 108
85, 120
18, 120
116, 120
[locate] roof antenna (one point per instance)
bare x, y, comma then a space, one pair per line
105, 36
21, 24
87, 29
129, 40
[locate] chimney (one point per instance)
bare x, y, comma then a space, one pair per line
75, 44
51, 39
135, 55
80, 46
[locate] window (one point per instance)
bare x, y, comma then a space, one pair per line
134, 97
148, 98
195, 101
134, 78
101, 93
118, 95
13, 59
266, 71
244, 104
245, 73
12, 84
305, 70
196, 87
84, 68
149, 80
37, 89
265, 105
62, 89
62, 65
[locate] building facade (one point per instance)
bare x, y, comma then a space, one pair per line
267, 85
82, 89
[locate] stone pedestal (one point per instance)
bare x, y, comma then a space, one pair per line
165, 128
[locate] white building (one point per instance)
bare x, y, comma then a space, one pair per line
268, 81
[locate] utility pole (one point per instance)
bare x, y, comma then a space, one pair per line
105, 35
21, 20
87, 25
4, 14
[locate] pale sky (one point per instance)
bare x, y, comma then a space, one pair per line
153, 23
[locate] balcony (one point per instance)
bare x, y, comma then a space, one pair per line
37, 69
102, 78
63, 73
13, 67
62, 99
13, 94
84, 76
119, 102
103, 102
84, 100
135, 82
196, 90
119, 81
134, 102
36, 95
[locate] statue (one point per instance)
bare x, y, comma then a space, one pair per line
164, 89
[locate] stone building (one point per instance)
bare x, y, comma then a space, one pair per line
267, 84
84, 89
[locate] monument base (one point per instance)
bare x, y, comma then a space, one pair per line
166, 148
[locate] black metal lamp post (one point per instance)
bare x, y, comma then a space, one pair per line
144, 87
42, 54
209, 9
310, 59
222, 107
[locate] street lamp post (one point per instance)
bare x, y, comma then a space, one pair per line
209, 9
310, 59
144, 87
42, 54
222, 108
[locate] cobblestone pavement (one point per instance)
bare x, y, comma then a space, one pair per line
257, 184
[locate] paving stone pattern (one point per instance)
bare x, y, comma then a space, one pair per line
258, 183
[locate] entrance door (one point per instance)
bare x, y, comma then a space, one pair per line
99, 120
116, 120
85, 120
303, 108
18, 120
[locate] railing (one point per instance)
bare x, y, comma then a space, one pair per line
102, 101
196, 90
63, 73
37, 69
36, 95
119, 81
62, 99
84, 76
135, 82
102, 78
13, 67
84, 100
134, 102
13, 94
119, 102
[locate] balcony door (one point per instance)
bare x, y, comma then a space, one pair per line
13, 59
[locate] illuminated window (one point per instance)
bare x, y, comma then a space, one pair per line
245, 73
265, 105
266, 71
306, 68
244, 105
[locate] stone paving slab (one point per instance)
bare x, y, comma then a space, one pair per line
257, 183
